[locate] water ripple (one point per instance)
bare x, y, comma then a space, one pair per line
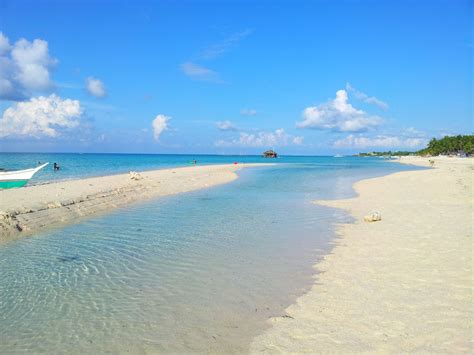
196, 272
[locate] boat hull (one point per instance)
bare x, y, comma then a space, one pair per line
19, 178
12, 184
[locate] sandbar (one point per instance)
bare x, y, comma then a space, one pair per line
27, 210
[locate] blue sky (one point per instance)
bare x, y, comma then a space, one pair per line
304, 77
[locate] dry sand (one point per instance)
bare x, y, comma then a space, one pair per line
403, 284
30, 209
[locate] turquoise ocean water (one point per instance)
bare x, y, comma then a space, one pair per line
87, 165
197, 272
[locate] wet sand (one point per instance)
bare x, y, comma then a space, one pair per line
27, 210
402, 284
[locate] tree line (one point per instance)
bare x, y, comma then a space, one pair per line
450, 145
444, 146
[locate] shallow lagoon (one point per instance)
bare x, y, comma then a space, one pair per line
201, 271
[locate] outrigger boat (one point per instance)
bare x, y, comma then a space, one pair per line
17, 178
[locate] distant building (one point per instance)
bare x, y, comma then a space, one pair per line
270, 154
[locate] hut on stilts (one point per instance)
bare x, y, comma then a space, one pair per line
270, 154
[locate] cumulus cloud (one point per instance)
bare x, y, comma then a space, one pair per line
5, 46
159, 125
225, 126
24, 68
262, 139
338, 115
380, 141
366, 98
40, 117
248, 112
95, 87
197, 72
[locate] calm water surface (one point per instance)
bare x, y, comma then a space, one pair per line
196, 272
75, 165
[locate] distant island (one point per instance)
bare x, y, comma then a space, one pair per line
461, 145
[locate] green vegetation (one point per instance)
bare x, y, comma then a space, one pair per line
389, 153
450, 145
444, 146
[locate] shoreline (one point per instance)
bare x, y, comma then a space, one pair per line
28, 210
402, 284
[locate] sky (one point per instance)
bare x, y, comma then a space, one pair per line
233, 77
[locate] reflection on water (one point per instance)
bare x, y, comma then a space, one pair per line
196, 272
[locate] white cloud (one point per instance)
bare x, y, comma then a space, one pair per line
40, 117
248, 112
4, 44
225, 126
414, 142
338, 115
197, 72
366, 98
298, 140
95, 87
159, 125
101, 138
24, 68
380, 141
413, 132
262, 139
220, 48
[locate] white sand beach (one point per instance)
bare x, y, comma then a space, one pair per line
27, 210
402, 284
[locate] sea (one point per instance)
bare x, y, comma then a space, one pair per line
196, 272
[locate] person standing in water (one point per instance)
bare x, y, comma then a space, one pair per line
56, 167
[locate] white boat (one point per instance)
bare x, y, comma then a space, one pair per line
339, 156
17, 178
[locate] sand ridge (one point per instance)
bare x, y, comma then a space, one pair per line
404, 284
27, 210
